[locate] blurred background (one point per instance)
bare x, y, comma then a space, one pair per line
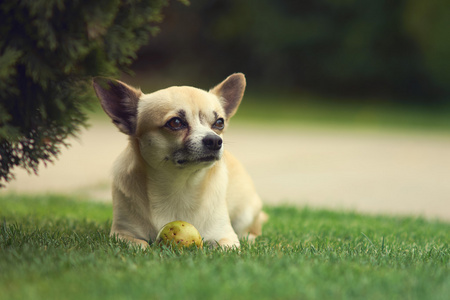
347, 103
393, 51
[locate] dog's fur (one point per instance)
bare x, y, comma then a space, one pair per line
174, 167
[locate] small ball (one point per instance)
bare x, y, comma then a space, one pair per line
180, 234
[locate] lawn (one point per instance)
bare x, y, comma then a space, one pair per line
57, 247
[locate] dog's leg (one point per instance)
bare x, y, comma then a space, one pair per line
256, 228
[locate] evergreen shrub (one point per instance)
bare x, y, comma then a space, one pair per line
49, 50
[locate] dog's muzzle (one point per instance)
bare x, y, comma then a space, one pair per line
208, 149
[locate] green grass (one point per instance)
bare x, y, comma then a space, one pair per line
54, 247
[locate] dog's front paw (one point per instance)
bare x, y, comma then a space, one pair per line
134, 242
227, 243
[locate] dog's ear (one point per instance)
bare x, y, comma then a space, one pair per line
119, 101
230, 92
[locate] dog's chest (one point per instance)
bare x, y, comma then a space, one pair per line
184, 205
196, 200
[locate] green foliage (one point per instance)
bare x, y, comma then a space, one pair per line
428, 24
394, 49
302, 254
49, 49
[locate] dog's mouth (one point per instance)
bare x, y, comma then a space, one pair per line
209, 158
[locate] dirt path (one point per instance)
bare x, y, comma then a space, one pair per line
393, 173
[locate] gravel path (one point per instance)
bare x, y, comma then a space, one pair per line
366, 171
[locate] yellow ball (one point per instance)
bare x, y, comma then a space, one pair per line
179, 234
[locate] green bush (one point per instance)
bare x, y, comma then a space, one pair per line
49, 50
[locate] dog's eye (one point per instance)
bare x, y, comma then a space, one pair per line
219, 124
176, 123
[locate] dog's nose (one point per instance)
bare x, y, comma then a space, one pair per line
212, 142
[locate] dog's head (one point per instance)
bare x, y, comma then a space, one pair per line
180, 126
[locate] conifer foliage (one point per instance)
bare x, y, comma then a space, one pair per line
49, 50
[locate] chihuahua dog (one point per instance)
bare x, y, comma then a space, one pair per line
175, 166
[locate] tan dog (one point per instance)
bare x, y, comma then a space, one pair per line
175, 167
